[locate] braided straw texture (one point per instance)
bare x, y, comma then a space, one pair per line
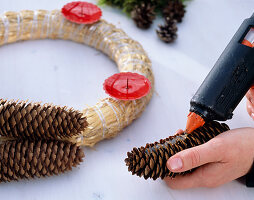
150, 161
27, 159
109, 116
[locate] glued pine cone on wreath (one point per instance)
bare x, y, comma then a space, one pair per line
150, 161
168, 32
174, 9
143, 15
32, 121
30, 159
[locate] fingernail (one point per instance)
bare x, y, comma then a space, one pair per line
175, 163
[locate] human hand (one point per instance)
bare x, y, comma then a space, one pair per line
224, 158
250, 102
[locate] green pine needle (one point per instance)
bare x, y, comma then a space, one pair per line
128, 5
116, 3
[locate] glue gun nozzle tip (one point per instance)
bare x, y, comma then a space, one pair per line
194, 121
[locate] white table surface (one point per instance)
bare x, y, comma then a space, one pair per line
71, 74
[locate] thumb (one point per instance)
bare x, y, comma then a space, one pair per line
194, 157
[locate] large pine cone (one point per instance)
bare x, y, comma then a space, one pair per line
175, 10
168, 32
27, 159
34, 121
143, 15
150, 161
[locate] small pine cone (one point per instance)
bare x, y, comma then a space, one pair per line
27, 159
167, 32
34, 121
150, 161
143, 15
175, 10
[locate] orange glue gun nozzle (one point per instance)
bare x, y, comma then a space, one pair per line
194, 121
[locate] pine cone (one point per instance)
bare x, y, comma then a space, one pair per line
167, 32
129, 5
27, 159
34, 121
150, 161
175, 10
143, 15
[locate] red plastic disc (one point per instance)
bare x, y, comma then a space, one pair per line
81, 12
127, 86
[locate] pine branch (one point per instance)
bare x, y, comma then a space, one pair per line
129, 5
114, 3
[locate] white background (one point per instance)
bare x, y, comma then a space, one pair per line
66, 73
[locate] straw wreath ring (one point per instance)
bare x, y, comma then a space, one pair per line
40, 140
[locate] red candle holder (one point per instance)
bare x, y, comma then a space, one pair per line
81, 12
127, 86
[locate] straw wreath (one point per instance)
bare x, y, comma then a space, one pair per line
41, 140
109, 116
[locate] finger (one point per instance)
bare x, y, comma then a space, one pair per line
250, 109
205, 176
184, 182
196, 156
250, 95
180, 131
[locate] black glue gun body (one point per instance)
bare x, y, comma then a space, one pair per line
230, 78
